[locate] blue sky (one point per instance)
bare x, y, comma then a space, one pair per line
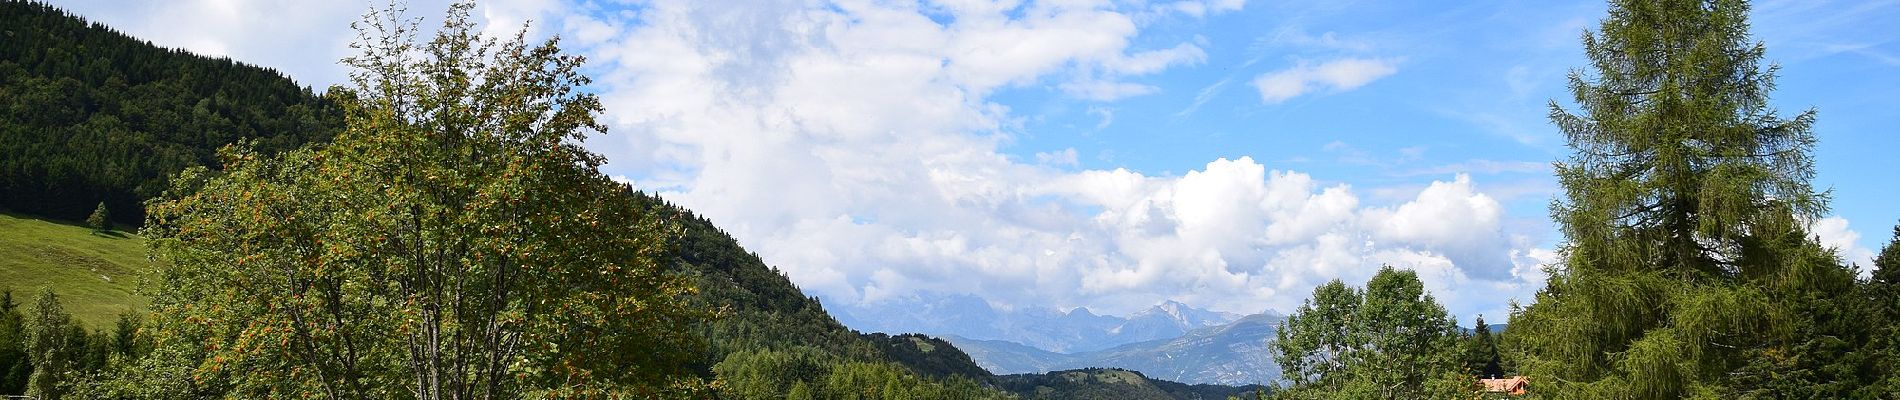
1113, 153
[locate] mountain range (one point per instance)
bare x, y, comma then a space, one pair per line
1047, 329
1234, 353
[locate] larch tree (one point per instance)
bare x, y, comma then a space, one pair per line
454, 242
1687, 271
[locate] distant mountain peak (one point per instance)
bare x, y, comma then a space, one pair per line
1184, 316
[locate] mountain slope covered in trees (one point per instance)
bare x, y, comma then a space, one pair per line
90, 115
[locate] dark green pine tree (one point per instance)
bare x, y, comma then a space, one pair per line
1687, 270
1883, 319
1481, 352
14, 366
1887, 264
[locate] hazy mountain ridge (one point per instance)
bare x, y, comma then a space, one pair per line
1047, 329
1235, 353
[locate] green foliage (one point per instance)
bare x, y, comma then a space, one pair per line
15, 366
804, 372
52, 347
1390, 341
90, 114
100, 219
1102, 383
1882, 314
1886, 268
455, 241
1688, 271
1114, 383
96, 275
1481, 355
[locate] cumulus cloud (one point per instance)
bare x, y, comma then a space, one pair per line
1834, 233
855, 146
1332, 76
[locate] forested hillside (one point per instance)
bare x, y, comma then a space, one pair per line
1115, 384
90, 115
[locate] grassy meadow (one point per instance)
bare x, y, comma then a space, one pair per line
96, 274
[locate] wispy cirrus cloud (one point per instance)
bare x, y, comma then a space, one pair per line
1331, 76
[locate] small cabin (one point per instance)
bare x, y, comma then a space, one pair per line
1515, 386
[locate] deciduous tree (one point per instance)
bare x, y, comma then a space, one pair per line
100, 218
1391, 341
455, 241
51, 347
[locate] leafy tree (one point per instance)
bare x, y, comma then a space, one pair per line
100, 219
1391, 341
51, 347
454, 241
1687, 270
800, 391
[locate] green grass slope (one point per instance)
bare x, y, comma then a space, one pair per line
96, 275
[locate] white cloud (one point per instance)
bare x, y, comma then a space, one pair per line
1834, 233
1105, 90
1333, 76
1065, 157
857, 150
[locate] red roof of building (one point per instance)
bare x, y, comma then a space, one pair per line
1515, 385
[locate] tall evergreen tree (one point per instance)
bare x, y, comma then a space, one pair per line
1886, 268
1481, 352
1687, 267
14, 365
1883, 317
